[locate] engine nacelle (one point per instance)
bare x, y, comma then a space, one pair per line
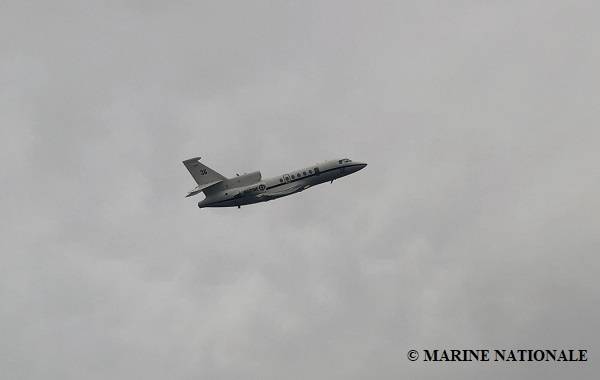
246, 179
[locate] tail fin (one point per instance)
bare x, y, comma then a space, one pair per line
203, 175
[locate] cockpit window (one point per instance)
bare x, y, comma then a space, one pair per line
344, 160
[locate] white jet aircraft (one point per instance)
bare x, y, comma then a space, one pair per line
250, 188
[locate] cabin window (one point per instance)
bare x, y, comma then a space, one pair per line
304, 173
298, 175
293, 176
281, 180
310, 171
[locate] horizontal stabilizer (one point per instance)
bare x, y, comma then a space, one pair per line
200, 188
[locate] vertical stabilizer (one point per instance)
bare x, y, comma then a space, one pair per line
202, 174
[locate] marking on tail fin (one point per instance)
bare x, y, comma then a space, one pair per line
202, 174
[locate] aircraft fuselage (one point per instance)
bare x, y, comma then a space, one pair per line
250, 188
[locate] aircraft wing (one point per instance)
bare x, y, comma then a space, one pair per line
284, 192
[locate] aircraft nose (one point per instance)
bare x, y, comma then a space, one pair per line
362, 165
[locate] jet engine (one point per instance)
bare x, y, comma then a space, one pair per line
246, 179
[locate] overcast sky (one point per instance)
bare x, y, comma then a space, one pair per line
475, 225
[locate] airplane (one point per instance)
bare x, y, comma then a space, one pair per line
250, 188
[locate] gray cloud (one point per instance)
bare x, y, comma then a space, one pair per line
475, 224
